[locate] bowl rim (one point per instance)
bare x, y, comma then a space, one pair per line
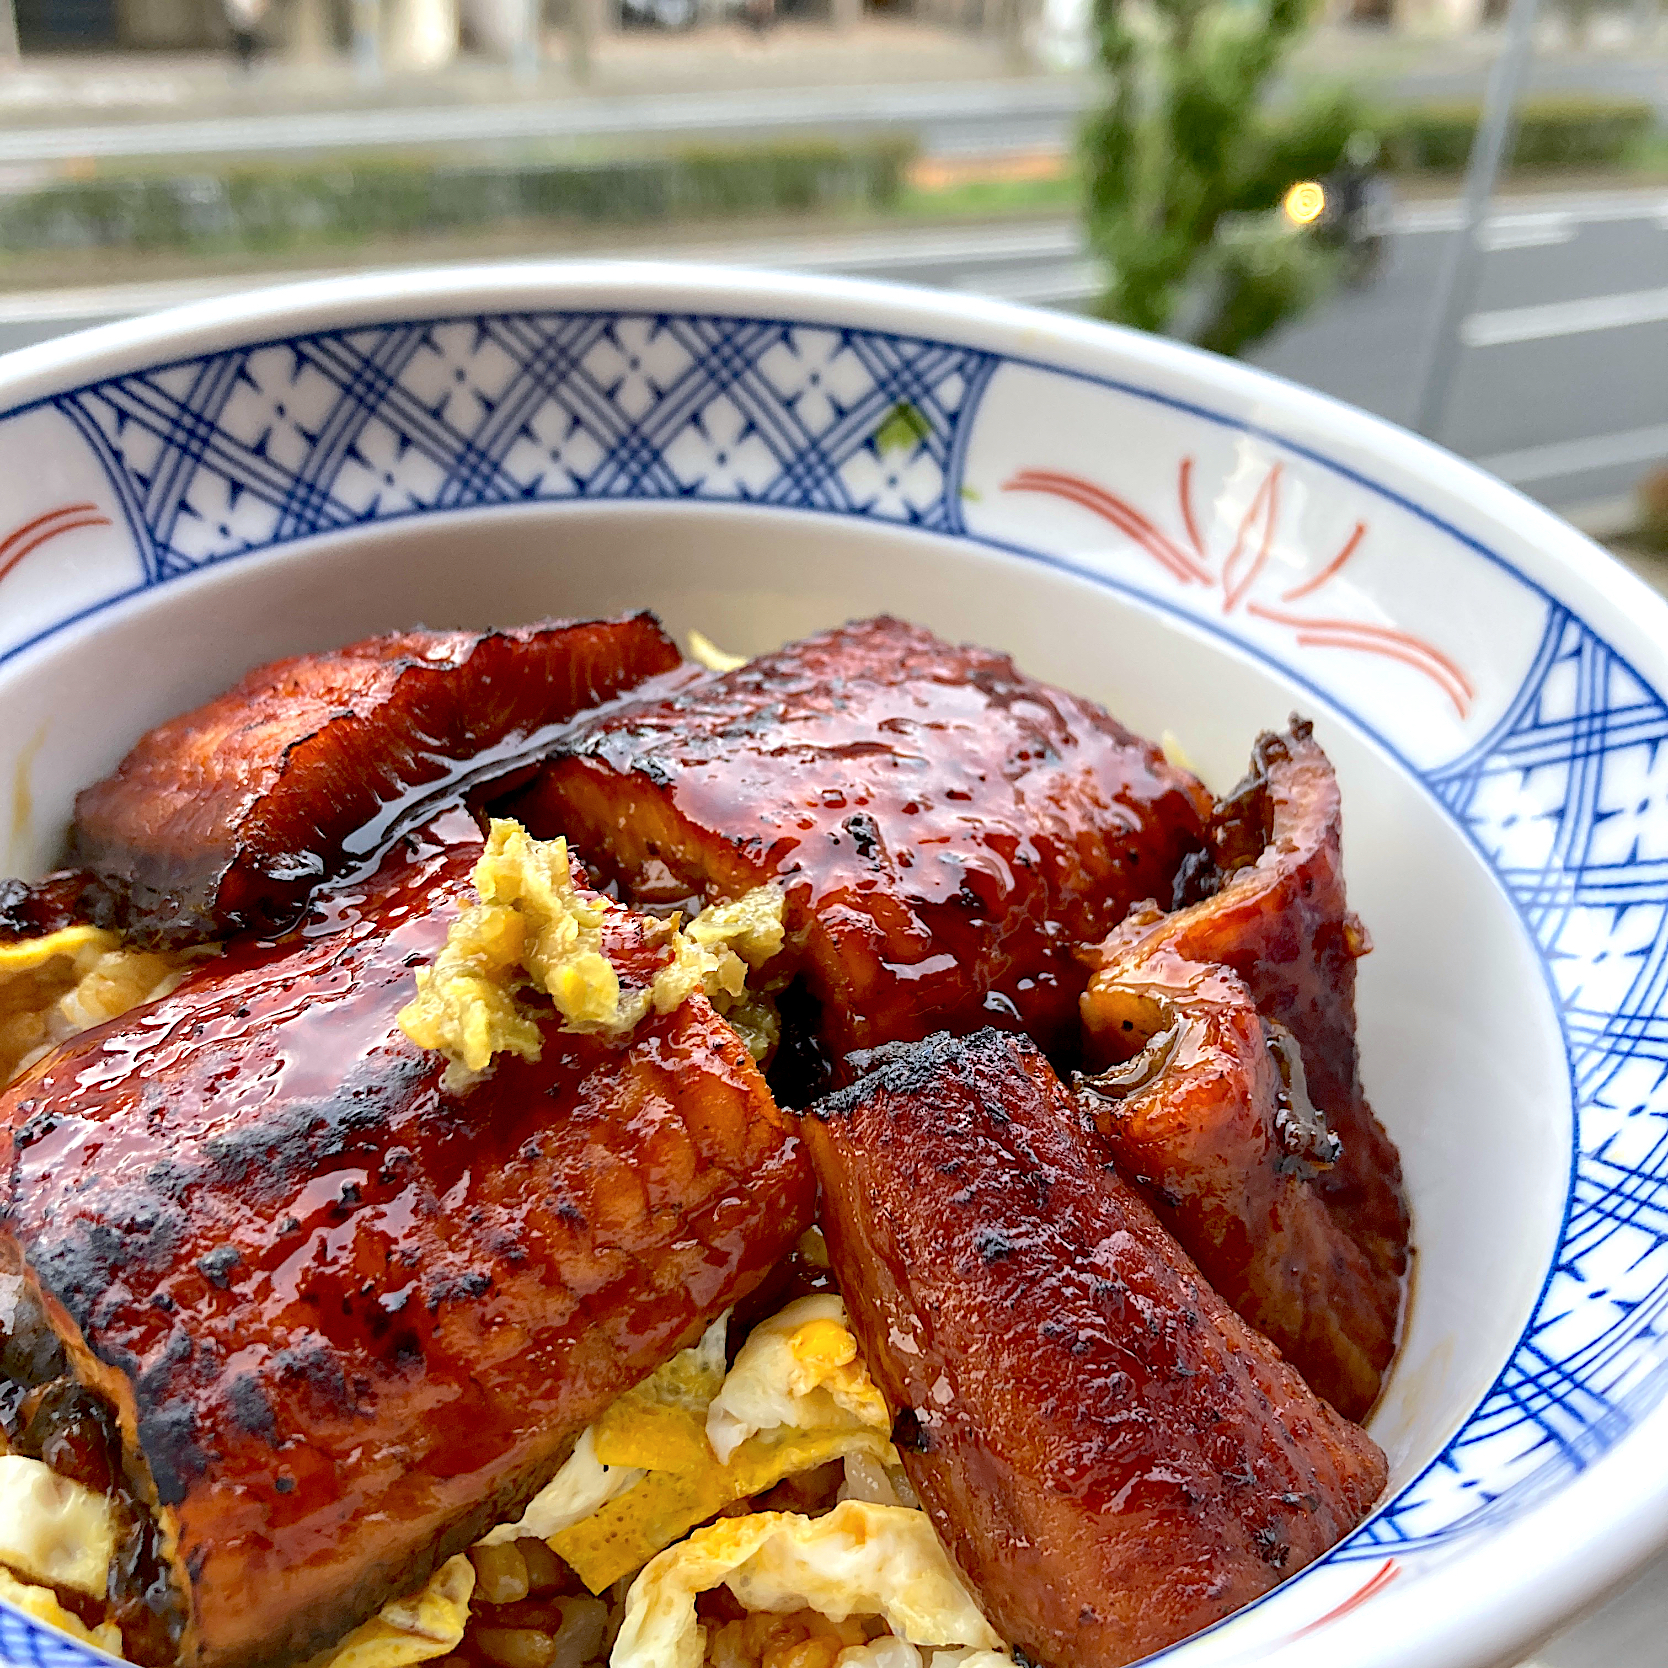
1316, 426
1595, 1528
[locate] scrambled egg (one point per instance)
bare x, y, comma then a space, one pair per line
43, 1605
535, 932
800, 1368
65, 982
52, 1529
860, 1559
427, 1625
803, 1368
659, 1417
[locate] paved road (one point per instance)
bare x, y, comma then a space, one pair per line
1563, 386
982, 117
1563, 389
985, 117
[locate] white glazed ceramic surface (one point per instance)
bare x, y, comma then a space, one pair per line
1199, 546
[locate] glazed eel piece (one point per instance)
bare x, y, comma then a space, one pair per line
226, 818
1276, 915
946, 828
1207, 1115
1112, 1457
341, 1320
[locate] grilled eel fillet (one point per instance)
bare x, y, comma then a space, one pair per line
1209, 1118
1277, 916
1110, 1454
946, 829
226, 818
345, 1322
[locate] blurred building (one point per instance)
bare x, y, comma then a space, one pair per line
426, 33
65, 25
421, 33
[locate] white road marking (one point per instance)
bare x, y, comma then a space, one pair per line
1565, 318
1572, 457
1527, 231
1590, 208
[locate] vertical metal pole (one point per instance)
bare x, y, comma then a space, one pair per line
529, 44
9, 53
367, 41
582, 33
1459, 271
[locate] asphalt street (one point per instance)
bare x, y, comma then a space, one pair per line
1562, 387
984, 117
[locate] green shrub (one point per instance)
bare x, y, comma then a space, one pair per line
1551, 133
265, 208
1185, 161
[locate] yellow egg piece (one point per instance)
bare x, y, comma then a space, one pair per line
672, 1399
28, 954
65, 982
631, 1529
420, 1628
797, 1397
858, 1560
42, 1603
799, 1369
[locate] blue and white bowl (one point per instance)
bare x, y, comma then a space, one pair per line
1200, 546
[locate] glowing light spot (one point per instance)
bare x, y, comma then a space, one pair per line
1305, 202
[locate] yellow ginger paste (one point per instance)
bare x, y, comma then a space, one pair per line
533, 933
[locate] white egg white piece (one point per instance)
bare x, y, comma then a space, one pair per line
799, 1369
858, 1560
52, 1529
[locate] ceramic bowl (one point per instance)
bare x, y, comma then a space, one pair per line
1198, 545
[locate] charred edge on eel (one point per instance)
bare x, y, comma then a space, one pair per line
311, 1289
1112, 1457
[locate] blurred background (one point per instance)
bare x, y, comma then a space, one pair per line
1328, 188
1281, 179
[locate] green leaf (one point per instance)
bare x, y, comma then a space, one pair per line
902, 430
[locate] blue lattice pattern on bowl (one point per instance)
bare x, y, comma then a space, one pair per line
31, 1646
255, 448
247, 449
